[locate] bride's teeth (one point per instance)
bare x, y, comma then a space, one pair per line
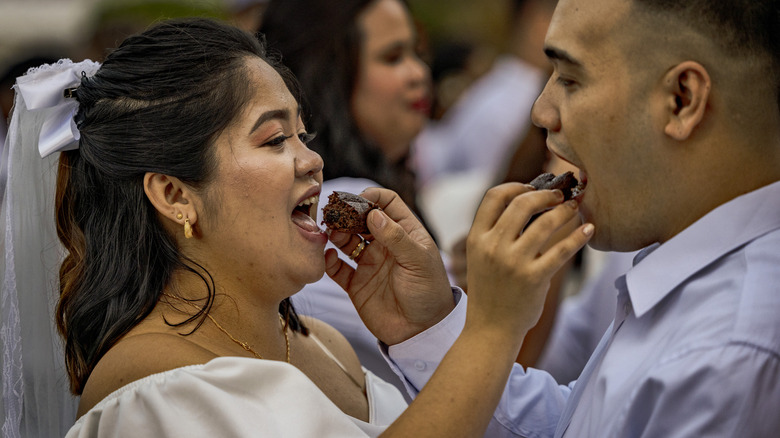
309, 201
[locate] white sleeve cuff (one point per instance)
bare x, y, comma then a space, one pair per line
416, 359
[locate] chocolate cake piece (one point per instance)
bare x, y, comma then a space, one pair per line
347, 213
565, 182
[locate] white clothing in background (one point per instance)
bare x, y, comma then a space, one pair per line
483, 127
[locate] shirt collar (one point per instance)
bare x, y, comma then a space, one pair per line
659, 269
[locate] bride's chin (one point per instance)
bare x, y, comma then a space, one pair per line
315, 271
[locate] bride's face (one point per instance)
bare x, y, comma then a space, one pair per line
259, 226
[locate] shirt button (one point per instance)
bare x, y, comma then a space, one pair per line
419, 365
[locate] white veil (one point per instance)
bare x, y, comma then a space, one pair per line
35, 399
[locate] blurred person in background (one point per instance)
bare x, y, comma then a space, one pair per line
491, 118
487, 138
366, 96
246, 14
455, 65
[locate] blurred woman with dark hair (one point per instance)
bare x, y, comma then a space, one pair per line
367, 92
367, 95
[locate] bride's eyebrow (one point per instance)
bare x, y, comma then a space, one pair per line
277, 114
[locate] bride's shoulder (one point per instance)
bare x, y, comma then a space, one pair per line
137, 356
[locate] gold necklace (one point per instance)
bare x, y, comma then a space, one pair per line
243, 345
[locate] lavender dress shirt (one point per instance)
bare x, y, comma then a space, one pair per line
694, 349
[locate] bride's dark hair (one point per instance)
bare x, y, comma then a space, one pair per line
157, 104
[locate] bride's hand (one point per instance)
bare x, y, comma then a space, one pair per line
510, 263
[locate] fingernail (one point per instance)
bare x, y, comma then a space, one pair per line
588, 229
571, 203
558, 194
378, 218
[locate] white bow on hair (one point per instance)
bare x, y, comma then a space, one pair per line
47, 91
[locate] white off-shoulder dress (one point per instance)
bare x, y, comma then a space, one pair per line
235, 397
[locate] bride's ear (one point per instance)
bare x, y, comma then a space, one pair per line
172, 199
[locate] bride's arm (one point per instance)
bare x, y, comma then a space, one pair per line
400, 289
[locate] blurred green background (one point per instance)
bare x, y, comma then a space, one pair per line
68, 27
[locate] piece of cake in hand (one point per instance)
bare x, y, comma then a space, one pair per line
565, 182
347, 213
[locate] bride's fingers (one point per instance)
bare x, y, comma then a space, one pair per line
565, 249
494, 203
522, 208
538, 234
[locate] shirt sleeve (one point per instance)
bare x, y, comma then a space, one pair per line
531, 404
415, 359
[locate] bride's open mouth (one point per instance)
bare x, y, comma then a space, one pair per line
302, 214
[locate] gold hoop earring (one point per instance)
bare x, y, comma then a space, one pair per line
187, 229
